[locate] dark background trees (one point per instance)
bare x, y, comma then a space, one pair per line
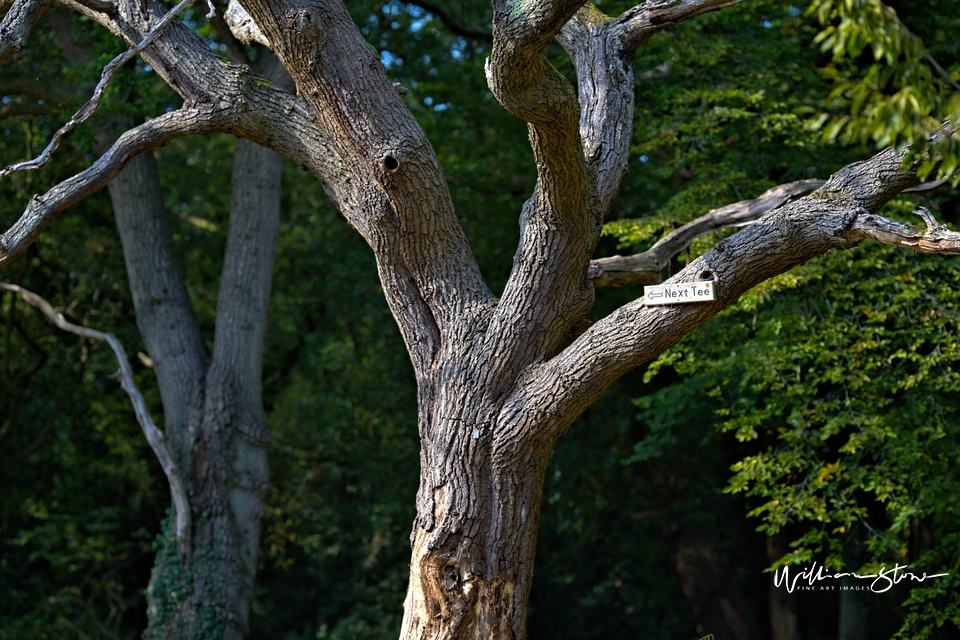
721, 123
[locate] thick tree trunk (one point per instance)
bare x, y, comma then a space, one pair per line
474, 539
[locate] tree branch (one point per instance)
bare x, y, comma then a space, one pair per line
450, 21
936, 238
218, 97
16, 26
640, 23
399, 199
42, 209
646, 267
839, 215
93, 103
547, 290
153, 435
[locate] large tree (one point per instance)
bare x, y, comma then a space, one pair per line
499, 378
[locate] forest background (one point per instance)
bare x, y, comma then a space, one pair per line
815, 420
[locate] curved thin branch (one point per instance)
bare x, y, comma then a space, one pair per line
154, 436
42, 209
93, 103
16, 26
927, 187
936, 238
645, 268
452, 23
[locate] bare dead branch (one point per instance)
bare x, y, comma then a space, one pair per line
93, 104
242, 25
153, 435
927, 187
42, 209
234, 47
936, 238
16, 26
646, 267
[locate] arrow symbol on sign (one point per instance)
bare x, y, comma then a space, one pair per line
655, 294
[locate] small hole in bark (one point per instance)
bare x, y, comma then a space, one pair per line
706, 275
390, 163
451, 577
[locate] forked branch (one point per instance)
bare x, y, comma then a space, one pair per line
43, 208
646, 267
838, 215
125, 374
93, 103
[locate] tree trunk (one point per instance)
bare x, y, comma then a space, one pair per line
214, 417
209, 594
475, 537
719, 606
784, 624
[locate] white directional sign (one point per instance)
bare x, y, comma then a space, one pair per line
679, 292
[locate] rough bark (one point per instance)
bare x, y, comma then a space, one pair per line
214, 415
498, 383
16, 25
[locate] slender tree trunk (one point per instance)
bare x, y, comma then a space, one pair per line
784, 624
718, 604
214, 416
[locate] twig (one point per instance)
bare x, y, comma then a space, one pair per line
927, 187
125, 374
93, 104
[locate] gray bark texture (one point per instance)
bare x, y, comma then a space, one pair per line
213, 414
498, 379
214, 422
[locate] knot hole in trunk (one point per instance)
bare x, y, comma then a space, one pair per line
390, 163
451, 577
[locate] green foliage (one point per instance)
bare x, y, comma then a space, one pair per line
717, 118
844, 375
903, 95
